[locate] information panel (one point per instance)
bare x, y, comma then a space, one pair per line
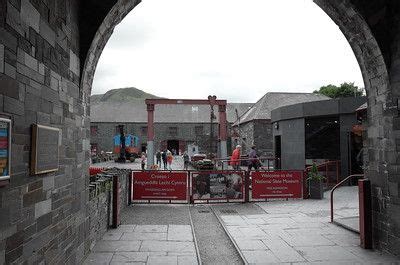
276, 184
217, 186
160, 186
5, 152
45, 149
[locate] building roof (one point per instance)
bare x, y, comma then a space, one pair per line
136, 112
272, 100
363, 107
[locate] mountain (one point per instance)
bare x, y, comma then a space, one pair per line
128, 94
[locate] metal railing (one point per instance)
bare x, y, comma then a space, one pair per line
275, 161
338, 185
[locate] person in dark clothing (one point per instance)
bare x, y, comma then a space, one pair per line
158, 157
253, 161
164, 158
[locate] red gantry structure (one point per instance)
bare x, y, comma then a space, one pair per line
212, 101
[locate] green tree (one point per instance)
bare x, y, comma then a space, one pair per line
342, 91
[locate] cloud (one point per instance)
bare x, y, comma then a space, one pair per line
237, 51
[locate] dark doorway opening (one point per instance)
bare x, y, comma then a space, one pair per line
144, 148
173, 146
278, 151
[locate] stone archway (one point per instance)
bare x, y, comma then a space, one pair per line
383, 104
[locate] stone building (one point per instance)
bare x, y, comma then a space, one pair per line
254, 126
175, 126
49, 51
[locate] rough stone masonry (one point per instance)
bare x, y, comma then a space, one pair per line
49, 50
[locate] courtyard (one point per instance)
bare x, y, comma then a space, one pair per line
274, 232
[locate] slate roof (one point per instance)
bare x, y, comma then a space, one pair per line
136, 112
362, 107
272, 100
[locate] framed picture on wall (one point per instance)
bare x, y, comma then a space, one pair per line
5, 148
45, 149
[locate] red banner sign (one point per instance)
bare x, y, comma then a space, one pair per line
160, 185
276, 184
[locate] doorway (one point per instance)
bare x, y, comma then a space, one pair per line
278, 151
173, 146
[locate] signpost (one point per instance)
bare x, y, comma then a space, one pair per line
158, 186
276, 184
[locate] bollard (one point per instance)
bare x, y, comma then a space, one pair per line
116, 202
364, 195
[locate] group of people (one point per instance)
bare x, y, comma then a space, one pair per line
252, 159
166, 157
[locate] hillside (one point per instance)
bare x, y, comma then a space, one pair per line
129, 94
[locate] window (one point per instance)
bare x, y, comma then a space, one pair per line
144, 130
173, 131
198, 130
93, 130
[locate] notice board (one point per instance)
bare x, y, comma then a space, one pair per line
5, 148
45, 149
277, 184
160, 185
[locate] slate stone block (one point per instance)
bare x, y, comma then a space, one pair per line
42, 208
29, 15
10, 57
14, 241
32, 197
13, 255
47, 33
1, 58
9, 86
44, 221
13, 106
9, 40
10, 70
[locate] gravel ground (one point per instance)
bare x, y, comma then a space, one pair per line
214, 244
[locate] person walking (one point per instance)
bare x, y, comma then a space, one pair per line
164, 158
158, 158
253, 161
235, 162
143, 161
170, 157
185, 161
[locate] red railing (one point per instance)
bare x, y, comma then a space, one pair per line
326, 169
338, 185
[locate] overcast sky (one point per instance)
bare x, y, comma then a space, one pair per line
234, 49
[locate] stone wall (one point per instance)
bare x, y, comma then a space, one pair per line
43, 217
259, 133
372, 29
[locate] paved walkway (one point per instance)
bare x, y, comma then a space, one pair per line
275, 232
300, 232
145, 244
